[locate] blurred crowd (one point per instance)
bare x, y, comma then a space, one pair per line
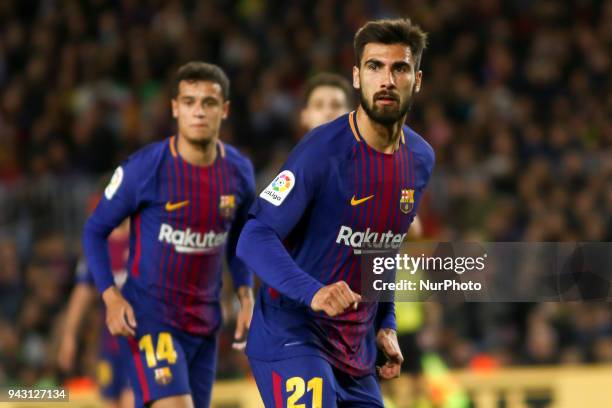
516, 102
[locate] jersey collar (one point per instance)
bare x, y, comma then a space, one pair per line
174, 151
352, 118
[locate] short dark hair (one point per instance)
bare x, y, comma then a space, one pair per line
201, 71
391, 31
329, 79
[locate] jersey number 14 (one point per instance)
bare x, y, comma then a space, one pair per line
163, 351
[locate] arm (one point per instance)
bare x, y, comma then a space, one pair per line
241, 275
80, 298
119, 201
259, 247
385, 316
95, 246
278, 209
386, 336
386, 340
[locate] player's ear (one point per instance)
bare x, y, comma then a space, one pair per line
226, 108
417, 80
356, 82
174, 104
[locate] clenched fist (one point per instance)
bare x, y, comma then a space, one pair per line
386, 340
334, 299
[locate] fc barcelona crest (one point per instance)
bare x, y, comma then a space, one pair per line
407, 200
163, 375
227, 204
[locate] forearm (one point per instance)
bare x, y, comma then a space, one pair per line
95, 247
241, 274
262, 251
244, 292
79, 301
385, 316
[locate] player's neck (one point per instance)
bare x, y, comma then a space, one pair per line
197, 154
382, 138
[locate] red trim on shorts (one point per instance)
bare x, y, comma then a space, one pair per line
142, 379
278, 391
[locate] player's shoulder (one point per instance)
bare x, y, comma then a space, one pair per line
238, 160
419, 147
151, 152
243, 168
327, 140
234, 156
142, 164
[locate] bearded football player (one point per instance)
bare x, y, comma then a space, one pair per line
312, 340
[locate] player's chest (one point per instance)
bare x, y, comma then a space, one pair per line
201, 199
374, 187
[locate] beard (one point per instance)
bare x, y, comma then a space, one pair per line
201, 143
386, 115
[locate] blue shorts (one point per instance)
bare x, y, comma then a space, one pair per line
111, 374
165, 362
312, 381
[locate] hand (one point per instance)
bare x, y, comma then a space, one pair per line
120, 317
66, 352
334, 299
386, 340
243, 320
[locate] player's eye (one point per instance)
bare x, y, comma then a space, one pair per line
210, 102
372, 66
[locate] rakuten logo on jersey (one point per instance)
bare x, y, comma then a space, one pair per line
369, 241
189, 242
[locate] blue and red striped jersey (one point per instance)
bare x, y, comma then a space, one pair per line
334, 195
183, 218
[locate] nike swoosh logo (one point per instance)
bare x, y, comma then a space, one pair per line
355, 202
175, 206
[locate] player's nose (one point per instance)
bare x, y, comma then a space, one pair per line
388, 80
198, 111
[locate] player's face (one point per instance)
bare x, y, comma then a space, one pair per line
324, 104
386, 80
199, 109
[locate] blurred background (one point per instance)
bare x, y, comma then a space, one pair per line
516, 101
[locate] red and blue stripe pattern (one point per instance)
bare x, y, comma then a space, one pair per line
382, 176
344, 190
182, 286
